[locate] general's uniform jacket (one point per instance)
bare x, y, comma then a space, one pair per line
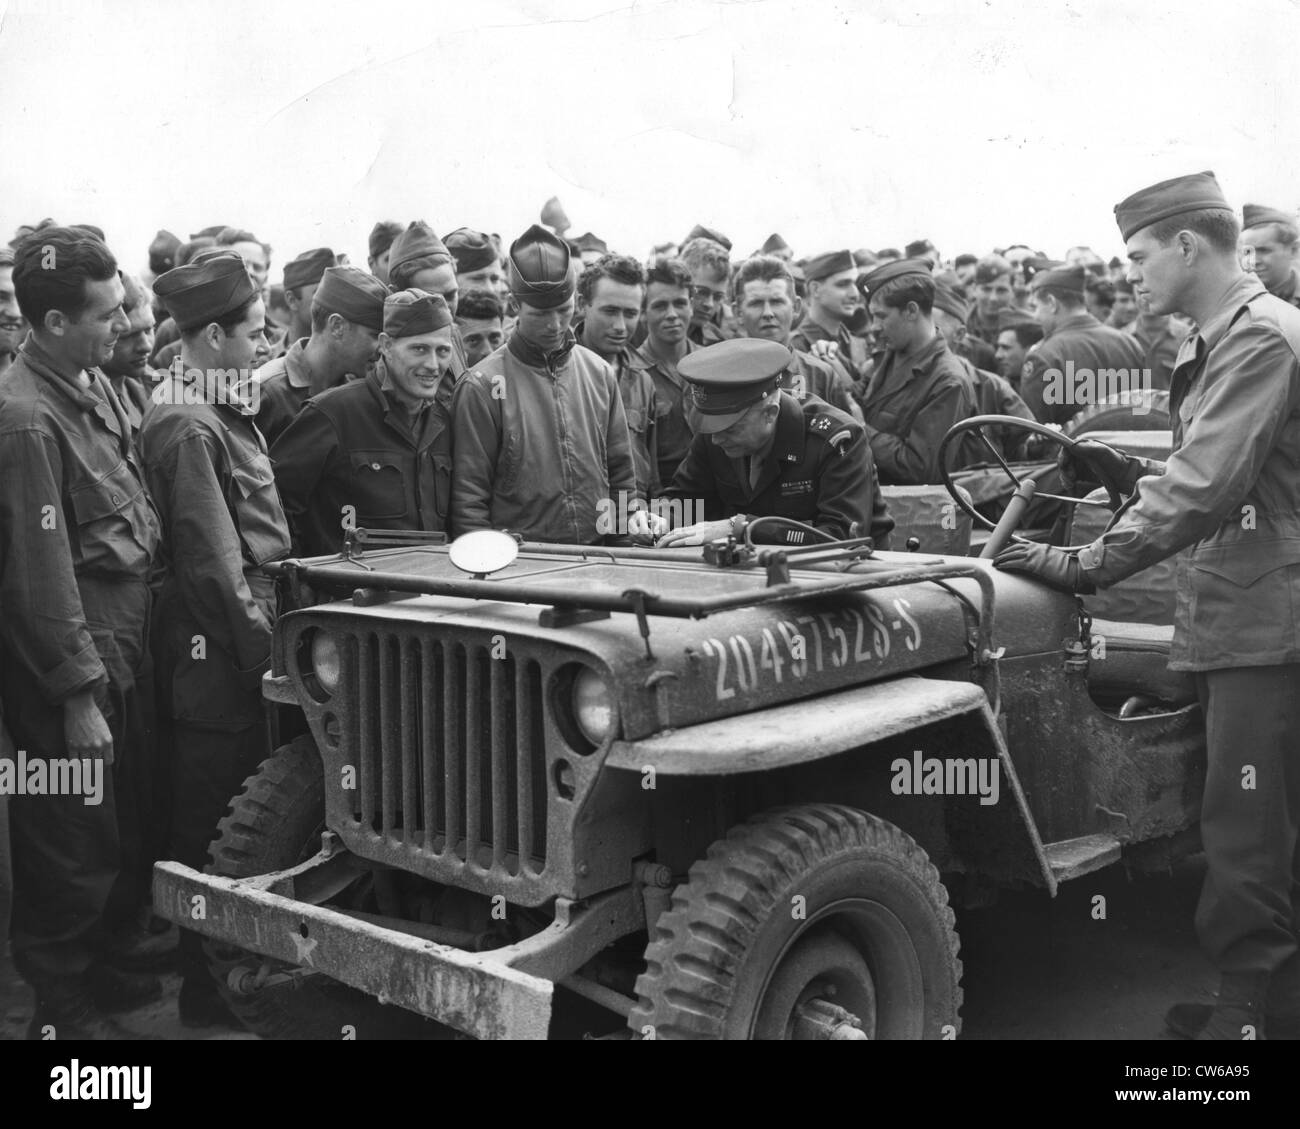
818, 471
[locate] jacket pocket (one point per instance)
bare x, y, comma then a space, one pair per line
110, 514
636, 420
1244, 562
378, 486
257, 512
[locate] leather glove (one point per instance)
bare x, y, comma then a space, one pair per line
1051, 565
1094, 461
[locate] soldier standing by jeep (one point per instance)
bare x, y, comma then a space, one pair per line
376, 451
79, 536
1228, 500
542, 445
210, 476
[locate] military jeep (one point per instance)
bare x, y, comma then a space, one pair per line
674, 794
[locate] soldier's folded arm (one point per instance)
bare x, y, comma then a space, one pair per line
914, 460
208, 558
44, 622
474, 459
1235, 426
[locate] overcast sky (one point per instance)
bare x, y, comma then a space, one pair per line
867, 123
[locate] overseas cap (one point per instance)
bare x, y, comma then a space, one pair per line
307, 268
1253, 215
900, 268
162, 251
201, 292
553, 214
409, 313
1168, 198
832, 262
948, 300
539, 269
353, 294
588, 242
699, 231
987, 270
729, 378
919, 247
472, 250
416, 242
773, 245
382, 236
1013, 319
1062, 278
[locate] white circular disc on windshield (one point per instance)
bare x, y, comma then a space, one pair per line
483, 551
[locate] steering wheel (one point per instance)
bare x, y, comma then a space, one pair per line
977, 425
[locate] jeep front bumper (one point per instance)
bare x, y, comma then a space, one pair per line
476, 993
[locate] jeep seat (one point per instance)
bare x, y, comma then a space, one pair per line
1137, 662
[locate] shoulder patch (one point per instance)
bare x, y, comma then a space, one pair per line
840, 438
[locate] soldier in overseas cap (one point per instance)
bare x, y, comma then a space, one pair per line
478, 265
1066, 373
1228, 502
301, 277
760, 452
832, 299
918, 390
376, 453
542, 444
347, 315
1270, 240
210, 476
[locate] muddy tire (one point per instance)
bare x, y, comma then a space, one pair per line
274, 823
809, 922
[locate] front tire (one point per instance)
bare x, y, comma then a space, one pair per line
809, 922
275, 823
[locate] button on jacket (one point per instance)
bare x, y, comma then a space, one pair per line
209, 473
1229, 494
818, 470
1082, 339
78, 529
352, 447
909, 405
541, 446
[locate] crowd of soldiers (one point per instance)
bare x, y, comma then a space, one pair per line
165, 437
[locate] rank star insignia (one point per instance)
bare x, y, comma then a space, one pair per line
821, 423
304, 945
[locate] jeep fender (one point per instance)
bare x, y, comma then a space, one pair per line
814, 729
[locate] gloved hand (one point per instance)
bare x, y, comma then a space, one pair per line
1094, 461
1051, 565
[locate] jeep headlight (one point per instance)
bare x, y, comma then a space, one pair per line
325, 660
593, 707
